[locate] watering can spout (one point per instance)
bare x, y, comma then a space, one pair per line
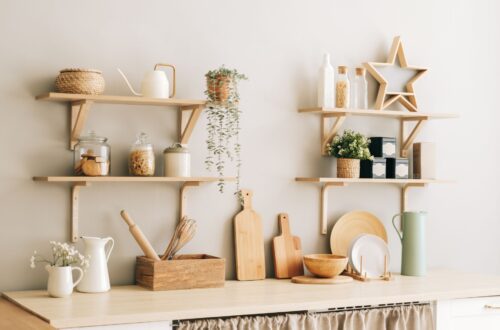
128, 83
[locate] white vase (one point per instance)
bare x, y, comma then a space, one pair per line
326, 84
60, 283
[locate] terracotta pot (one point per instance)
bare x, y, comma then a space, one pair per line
347, 168
218, 88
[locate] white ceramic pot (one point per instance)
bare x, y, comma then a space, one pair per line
60, 283
177, 161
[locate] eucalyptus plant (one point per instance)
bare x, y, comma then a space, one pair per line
223, 124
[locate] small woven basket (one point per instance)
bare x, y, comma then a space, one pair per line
348, 168
80, 81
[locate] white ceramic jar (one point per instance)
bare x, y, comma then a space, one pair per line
177, 161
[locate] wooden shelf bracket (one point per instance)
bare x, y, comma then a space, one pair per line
407, 141
404, 192
79, 113
75, 199
185, 130
324, 205
327, 133
183, 197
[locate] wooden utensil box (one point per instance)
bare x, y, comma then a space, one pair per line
187, 271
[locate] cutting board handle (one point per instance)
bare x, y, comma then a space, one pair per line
284, 225
247, 194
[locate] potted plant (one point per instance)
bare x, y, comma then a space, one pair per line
60, 268
223, 124
349, 149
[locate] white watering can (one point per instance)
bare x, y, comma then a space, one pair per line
155, 83
96, 277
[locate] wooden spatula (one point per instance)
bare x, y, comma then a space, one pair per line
287, 251
249, 242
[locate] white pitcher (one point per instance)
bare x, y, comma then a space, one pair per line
155, 83
96, 277
60, 283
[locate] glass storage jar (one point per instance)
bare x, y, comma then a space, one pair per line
342, 88
177, 161
92, 156
141, 161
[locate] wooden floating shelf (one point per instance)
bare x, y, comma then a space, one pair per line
327, 183
118, 99
127, 179
329, 130
404, 115
84, 181
80, 105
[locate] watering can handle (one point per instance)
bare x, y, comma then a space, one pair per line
173, 75
400, 234
110, 239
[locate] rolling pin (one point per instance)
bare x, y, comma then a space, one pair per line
141, 240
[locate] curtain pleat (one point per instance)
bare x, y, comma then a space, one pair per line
409, 317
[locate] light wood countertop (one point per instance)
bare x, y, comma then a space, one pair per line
131, 304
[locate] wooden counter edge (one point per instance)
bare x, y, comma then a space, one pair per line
16, 317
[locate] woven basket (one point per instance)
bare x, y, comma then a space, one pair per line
80, 81
218, 89
347, 168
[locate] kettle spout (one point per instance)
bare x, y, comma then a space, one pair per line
128, 83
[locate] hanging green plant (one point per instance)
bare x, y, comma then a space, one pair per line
223, 125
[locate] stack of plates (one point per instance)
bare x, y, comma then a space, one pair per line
358, 234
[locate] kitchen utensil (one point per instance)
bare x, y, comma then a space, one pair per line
413, 260
60, 283
184, 232
139, 237
96, 278
249, 242
287, 251
350, 226
317, 280
374, 251
80, 81
155, 83
325, 265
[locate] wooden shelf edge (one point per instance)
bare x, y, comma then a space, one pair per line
75, 179
118, 99
364, 180
375, 113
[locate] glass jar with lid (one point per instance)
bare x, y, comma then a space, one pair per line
141, 161
342, 88
92, 156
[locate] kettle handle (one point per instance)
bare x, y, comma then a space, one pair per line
400, 234
173, 75
110, 239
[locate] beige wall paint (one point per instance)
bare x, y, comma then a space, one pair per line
279, 45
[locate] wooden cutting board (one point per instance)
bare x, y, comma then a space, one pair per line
287, 251
249, 242
317, 280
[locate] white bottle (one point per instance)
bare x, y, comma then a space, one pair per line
360, 90
326, 84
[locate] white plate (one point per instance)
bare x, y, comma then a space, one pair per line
374, 250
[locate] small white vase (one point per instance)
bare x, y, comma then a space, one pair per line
60, 283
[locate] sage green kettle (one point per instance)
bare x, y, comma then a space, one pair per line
412, 235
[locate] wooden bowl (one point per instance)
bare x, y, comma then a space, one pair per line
325, 265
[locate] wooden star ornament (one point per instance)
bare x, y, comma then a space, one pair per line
406, 98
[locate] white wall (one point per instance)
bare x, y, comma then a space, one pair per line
279, 45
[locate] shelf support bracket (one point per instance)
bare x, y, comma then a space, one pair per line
324, 205
185, 130
327, 136
183, 197
79, 113
407, 141
404, 191
75, 197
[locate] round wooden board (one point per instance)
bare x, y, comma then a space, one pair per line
318, 280
350, 226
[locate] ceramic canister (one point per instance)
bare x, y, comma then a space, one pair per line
177, 161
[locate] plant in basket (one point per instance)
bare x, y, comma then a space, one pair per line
349, 148
223, 125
